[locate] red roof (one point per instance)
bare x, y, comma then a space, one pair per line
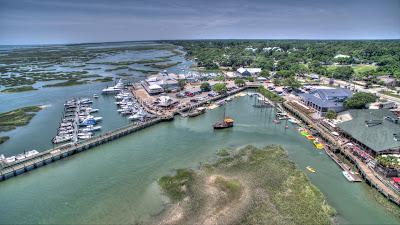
396, 179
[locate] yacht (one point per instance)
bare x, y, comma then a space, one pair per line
31, 153
114, 89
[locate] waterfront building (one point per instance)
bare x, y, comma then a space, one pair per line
375, 130
162, 82
325, 99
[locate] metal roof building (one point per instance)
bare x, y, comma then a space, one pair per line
323, 100
374, 129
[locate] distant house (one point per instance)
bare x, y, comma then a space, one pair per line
249, 71
323, 100
388, 81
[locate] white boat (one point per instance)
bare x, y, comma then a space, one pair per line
10, 159
91, 128
348, 176
114, 89
31, 153
85, 137
62, 139
20, 156
95, 96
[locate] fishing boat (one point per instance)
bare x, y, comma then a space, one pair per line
312, 170
348, 176
318, 145
225, 123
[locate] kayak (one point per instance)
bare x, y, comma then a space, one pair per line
310, 137
318, 145
312, 170
304, 133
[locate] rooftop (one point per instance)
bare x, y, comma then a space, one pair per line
331, 97
377, 137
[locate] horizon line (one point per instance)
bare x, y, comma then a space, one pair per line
212, 39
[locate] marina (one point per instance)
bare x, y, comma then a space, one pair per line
137, 160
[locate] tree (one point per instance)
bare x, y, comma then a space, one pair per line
291, 82
331, 114
359, 100
240, 82
220, 88
181, 83
205, 86
265, 73
342, 72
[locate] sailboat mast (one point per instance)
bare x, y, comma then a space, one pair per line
224, 112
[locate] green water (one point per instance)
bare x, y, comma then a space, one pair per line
116, 182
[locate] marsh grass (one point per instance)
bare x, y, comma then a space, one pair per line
279, 193
19, 117
19, 89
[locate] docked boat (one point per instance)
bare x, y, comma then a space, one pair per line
91, 128
310, 169
114, 89
61, 139
95, 96
294, 121
348, 176
197, 112
31, 153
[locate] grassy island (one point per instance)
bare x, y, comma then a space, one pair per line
3, 139
19, 89
162, 66
104, 79
66, 83
18, 117
248, 186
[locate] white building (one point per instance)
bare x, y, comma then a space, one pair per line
249, 71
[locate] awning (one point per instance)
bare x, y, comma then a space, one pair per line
396, 179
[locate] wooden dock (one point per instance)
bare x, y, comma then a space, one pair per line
43, 158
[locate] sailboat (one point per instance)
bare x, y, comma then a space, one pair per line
225, 123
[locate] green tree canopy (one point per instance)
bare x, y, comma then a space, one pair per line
331, 114
342, 72
205, 86
220, 88
359, 100
291, 82
240, 82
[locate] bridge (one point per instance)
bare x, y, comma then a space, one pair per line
46, 157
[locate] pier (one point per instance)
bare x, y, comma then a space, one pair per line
367, 173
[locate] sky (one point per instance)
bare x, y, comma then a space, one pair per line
79, 21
